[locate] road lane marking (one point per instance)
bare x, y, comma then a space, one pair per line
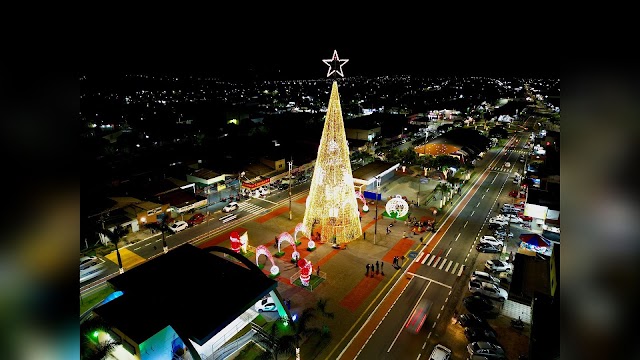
442, 308
419, 257
448, 252
431, 280
483, 196
473, 212
454, 269
434, 325
418, 356
406, 321
465, 223
428, 336
431, 260
461, 269
269, 201
437, 261
438, 317
457, 237
448, 266
478, 204
425, 343
444, 261
425, 259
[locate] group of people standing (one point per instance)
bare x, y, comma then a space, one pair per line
379, 266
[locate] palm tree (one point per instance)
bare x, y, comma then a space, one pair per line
90, 347
114, 237
290, 344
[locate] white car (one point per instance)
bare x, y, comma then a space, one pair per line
440, 353
488, 290
497, 265
507, 164
484, 277
266, 304
178, 226
498, 221
501, 217
90, 267
230, 207
487, 239
515, 219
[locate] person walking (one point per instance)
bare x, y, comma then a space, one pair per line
377, 265
318, 271
364, 236
371, 270
404, 234
367, 270
382, 267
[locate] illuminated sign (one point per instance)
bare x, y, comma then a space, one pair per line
256, 185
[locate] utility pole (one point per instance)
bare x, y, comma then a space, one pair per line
290, 166
375, 229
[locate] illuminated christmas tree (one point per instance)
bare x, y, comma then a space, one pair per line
331, 205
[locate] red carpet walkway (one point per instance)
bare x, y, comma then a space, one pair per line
272, 214
399, 250
360, 292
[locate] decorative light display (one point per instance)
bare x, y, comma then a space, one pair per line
262, 250
285, 236
398, 205
305, 271
236, 243
360, 196
331, 203
335, 60
300, 228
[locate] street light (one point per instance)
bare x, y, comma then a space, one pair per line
290, 166
240, 175
375, 230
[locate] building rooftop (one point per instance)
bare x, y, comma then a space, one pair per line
372, 170
170, 290
205, 174
179, 198
530, 274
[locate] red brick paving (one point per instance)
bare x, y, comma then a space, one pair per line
220, 238
399, 249
360, 292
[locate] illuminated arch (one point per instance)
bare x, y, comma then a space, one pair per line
360, 196
285, 236
262, 250
302, 229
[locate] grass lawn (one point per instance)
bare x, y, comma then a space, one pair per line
87, 301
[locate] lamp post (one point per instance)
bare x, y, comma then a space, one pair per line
240, 175
290, 166
375, 229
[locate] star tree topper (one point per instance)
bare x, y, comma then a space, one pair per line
335, 64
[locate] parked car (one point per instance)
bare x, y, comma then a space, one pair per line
487, 239
493, 226
230, 207
484, 348
88, 261
486, 357
507, 164
178, 226
497, 265
477, 304
196, 219
514, 193
440, 353
515, 219
525, 218
90, 267
488, 289
498, 221
484, 277
266, 304
505, 276
472, 320
480, 334
502, 233
488, 248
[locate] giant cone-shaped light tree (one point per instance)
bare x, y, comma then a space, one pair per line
331, 204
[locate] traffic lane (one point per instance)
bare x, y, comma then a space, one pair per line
392, 340
394, 321
471, 218
409, 345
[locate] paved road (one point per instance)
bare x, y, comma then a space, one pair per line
438, 269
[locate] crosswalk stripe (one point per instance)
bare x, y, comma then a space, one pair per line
435, 264
431, 260
444, 261
425, 259
454, 268
252, 208
419, 257
448, 266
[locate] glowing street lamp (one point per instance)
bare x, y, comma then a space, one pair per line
375, 230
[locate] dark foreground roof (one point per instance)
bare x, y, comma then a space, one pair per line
196, 292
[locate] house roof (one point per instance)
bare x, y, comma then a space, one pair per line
179, 198
205, 174
171, 290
